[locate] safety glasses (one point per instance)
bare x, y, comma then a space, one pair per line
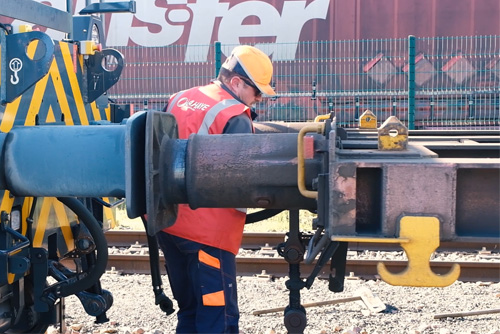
257, 91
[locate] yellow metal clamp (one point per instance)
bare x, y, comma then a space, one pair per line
368, 120
321, 118
392, 135
89, 47
419, 237
301, 164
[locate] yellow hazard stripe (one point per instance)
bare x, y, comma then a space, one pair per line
58, 84
71, 105
9, 115
74, 84
7, 202
42, 223
36, 101
62, 218
28, 202
60, 93
95, 111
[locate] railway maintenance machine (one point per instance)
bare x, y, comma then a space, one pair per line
68, 156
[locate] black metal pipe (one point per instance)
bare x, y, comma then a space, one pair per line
241, 170
95, 230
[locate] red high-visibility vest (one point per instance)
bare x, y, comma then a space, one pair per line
206, 110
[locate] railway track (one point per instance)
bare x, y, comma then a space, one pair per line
271, 266
267, 267
256, 240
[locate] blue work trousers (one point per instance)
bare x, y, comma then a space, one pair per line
203, 282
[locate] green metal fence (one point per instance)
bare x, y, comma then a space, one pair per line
441, 82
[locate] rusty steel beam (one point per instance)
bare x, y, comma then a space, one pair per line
371, 189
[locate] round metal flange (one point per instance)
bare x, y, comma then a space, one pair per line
159, 126
295, 320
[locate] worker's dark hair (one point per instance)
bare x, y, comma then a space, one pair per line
225, 74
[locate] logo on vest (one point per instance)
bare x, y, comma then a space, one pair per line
186, 103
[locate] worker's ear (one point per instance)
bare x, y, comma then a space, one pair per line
234, 82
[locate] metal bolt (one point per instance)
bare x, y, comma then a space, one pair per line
263, 202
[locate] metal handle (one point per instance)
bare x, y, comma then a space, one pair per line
301, 164
320, 118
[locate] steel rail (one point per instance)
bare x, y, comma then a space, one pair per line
268, 267
256, 240
251, 240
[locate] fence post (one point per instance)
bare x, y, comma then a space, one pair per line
218, 55
411, 82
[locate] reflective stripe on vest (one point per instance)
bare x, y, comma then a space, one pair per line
210, 116
172, 103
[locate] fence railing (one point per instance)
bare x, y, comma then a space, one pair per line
439, 82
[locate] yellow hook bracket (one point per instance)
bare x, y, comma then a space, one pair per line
419, 237
423, 235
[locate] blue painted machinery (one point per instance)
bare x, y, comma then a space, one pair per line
68, 157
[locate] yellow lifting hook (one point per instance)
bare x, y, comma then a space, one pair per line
419, 237
423, 235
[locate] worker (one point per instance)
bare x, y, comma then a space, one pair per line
200, 248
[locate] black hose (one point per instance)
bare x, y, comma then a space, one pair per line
166, 305
261, 215
5, 28
95, 229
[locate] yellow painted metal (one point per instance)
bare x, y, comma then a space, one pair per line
88, 47
36, 101
24, 28
367, 120
42, 223
109, 216
63, 220
51, 206
374, 240
320, 118
7, 202
9, 115
74, 84
423, 235
59, 91
31, 49
301, 164
6, 205
392, 135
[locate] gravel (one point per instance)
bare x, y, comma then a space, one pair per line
408, 309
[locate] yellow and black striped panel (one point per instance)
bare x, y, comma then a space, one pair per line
56, 98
